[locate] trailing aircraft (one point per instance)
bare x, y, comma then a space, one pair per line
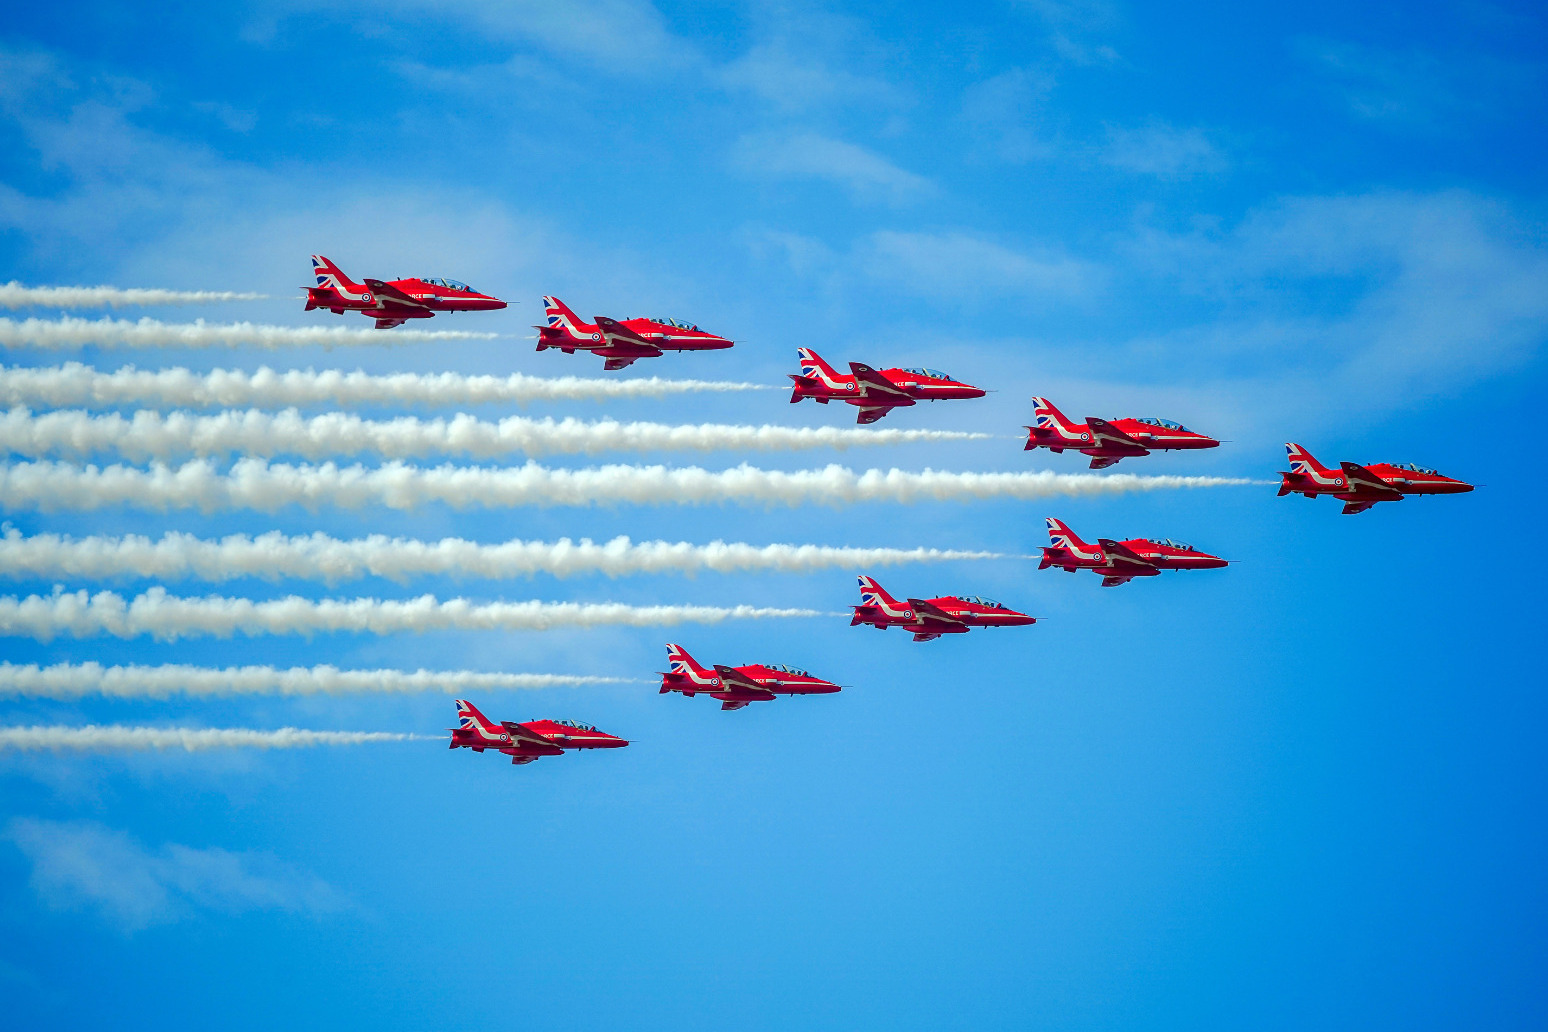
525, 742
735, 687
1107, 441
1360, 487
873, 392
620, 342
1120, 561
930, 618
392, 302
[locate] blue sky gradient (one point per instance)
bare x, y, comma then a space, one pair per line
1303, 792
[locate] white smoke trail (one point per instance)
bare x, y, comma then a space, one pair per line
76, 384
152, 435
16, 295
75, 681
189, 739
170, 617
256, 484
318, 557
57, 334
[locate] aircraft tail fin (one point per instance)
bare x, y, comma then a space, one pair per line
1061, 535
1045, 417
329, 275
1302, 461
680, 662
558, 315
469, 718
813, 365
873, 594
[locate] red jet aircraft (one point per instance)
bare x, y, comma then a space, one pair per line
1107, 442
735, 687
930, 618
1360, 487
524, 743
393, 302
620, 343
1120, 561
873, 393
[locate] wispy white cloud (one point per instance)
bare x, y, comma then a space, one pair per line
1163, 151
1006, 108
82, 865
318, 557
264, 486
165, 617
154, 435
80, 680
75, 383
955, 266
1417, 89
806, 155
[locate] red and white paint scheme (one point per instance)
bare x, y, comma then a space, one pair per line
1360, 487
735, 687
526, 742
929, 618
1118, 562
1107, 441
620, 342
392, 302
873, 392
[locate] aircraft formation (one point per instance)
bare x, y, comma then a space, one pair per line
875, 393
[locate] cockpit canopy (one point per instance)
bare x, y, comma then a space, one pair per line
934, 374
1418, 469
450, 284
1169, 543
677, 323
979, 600
1169, 424
782, 668
577, 725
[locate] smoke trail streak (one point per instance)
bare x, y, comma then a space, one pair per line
74, 681
152, 435
56, 334
256, 484
318, 557
76, 384
16, 295
189, 739
170, 617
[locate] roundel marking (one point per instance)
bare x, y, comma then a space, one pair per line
714, 680
1101, 558
596, 336
1085, 437
504, 737
1338, 481
367, 296
849, 386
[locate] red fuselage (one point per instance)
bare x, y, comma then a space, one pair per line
874, 391
1120, 561
527, 741
735, 687
1108, 440
929, 618
620, 341
1360, 487
392, 302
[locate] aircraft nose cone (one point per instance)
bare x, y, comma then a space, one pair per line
1214, 562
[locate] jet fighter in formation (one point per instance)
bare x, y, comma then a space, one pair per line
392, 302
620, 342
1118, 562
1360, 487
874, 393
929, 618
1108, 441
526, 742
735, 687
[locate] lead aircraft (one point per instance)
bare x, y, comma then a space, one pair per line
929, 618
620, 342
874, 393
524, 743
1118, 562
735, 687
1107, 441
392, 302
1360, 487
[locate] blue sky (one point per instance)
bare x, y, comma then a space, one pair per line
1302, 792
